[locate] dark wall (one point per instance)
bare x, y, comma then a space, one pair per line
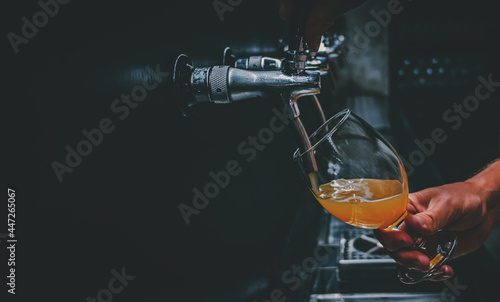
440, 52
119, 206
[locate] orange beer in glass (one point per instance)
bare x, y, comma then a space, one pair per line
357, 176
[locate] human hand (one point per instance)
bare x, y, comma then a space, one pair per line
459, 207
322, 16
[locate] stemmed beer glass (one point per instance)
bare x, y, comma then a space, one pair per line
358, 177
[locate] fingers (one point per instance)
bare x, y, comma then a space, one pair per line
410, 207
394, 240
430, 217
425, 223
420, 201
445, 272
411, 259
285, 10
321, 17
398, 244
414, 260
454, 207
470, 240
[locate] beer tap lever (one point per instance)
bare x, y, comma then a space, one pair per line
224, 84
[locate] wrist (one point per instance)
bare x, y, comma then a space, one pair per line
487, 183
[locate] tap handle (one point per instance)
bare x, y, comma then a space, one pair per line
183, 69
296, 57
300, 12
228, 57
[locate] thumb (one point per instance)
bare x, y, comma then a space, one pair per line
425, 223
427, 217
422, 221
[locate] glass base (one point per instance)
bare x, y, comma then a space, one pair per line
438, 248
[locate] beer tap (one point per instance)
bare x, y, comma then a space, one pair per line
267, 63
224, 84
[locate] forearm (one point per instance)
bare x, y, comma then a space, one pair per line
488, 180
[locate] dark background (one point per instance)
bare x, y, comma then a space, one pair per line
119, 207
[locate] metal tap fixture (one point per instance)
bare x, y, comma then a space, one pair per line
320, 63
224, 84
250, 63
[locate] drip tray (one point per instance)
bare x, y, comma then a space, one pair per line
394, 297
362, 256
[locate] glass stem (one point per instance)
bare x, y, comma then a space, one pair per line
419, 242
395, 226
